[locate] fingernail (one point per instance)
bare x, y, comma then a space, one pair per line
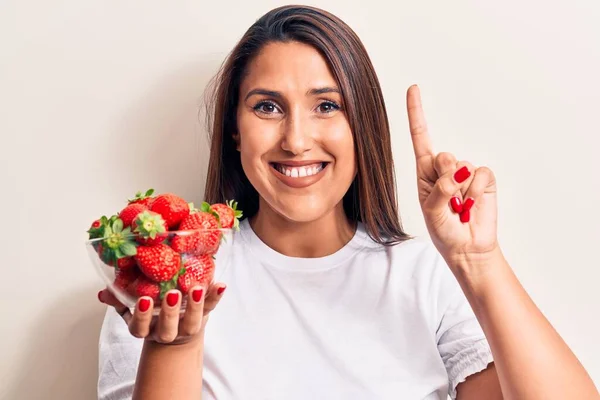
468, 204
220, 290
462, 174
144, 305
172, 299
456, 205
465, 216
197, 295
100, 296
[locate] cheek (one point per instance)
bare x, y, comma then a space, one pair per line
257, 136
341, 144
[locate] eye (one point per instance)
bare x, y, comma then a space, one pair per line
265, 107
328, 106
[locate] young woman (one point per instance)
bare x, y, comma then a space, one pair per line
329, 298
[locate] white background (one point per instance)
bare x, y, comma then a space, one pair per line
101, 98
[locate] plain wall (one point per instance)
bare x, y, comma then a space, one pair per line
99, 99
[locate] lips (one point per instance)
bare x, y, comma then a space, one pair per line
299, 176
299, 171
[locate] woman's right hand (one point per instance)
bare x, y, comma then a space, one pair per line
169, 327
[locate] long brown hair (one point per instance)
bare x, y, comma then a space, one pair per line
371, 197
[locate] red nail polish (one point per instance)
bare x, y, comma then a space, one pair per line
197, 295
220, 290
465, 216
100, 296
462, 174
456, 205
144, 305
468, 204
172, 299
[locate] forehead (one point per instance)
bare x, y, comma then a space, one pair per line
288, 66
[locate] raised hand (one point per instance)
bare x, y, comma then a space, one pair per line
458, 200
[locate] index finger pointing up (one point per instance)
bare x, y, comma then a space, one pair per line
417, 123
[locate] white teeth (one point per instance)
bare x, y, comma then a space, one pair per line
299, 172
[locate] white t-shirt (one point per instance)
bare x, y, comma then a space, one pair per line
367, 322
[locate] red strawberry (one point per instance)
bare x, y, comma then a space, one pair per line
145, 199
203, 241
126, 263
124, 278
228, 214
159, 262
172, 208
145, 287
198, 271
151, 228
130, 213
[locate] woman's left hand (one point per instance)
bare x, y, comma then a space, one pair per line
458, 199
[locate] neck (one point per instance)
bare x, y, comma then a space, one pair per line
311, 239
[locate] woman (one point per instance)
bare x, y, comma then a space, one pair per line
330, 297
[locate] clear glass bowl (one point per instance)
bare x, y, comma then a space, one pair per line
194, 258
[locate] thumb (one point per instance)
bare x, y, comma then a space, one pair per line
448, 185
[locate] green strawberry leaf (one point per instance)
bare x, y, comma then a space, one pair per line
205, 207
118, 225
149, 192
166, 286
128, 248
119, 253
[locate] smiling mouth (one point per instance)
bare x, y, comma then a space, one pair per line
301, 171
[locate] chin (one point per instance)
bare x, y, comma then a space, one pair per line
302, 211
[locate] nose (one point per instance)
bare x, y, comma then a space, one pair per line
297, 138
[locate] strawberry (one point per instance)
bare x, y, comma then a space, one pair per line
126, 263
229, 215
198, 271
124, 278
145, 287
151, 228
145, 199
117, 243
204, 237
130, 213
97, 228
172, 208
159, 262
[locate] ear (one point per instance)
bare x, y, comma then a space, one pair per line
236, 138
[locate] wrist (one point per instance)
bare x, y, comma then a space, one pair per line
474, 270
182, 341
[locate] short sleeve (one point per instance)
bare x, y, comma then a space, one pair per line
119, 354
461, 341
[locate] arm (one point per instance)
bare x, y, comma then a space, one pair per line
531, 359
170, 365
482, 385
170, 371
459, 204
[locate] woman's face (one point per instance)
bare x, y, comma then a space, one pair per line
296, 145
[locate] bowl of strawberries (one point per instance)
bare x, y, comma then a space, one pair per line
157, 243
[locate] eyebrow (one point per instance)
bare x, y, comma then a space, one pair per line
273, 93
